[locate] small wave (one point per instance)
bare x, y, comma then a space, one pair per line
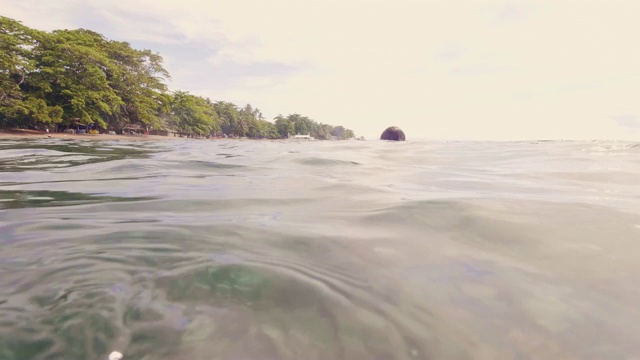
326, 250
213, 165
282, 298
612, 147
33, 199
6, 154
315, 161
45, 156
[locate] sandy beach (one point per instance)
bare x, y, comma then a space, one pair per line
33, 134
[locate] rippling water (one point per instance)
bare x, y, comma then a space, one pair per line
324, 250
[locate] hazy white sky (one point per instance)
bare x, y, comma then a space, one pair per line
454, 69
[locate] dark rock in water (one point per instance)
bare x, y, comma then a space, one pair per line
393, 133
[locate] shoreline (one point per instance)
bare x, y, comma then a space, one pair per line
17, 134
33, 134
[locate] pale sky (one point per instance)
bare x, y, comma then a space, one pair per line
446, 69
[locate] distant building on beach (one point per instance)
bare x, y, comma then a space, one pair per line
132, 129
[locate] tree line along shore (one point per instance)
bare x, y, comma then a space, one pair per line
79, 80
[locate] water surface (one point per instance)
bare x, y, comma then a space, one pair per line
323, 250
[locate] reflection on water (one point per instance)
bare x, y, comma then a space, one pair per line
326, 250
32, 199
49, 155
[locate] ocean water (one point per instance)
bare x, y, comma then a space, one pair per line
239, 249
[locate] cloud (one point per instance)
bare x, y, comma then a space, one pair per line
628, 121
449, 53
513, 11
134, 26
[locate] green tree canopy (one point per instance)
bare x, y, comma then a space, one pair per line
72, 73
80, 77
194, 114
17, 106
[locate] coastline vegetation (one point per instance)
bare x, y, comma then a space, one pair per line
78, 78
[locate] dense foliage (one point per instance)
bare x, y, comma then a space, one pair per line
80, 78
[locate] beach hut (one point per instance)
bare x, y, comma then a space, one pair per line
133, 129
74, 124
